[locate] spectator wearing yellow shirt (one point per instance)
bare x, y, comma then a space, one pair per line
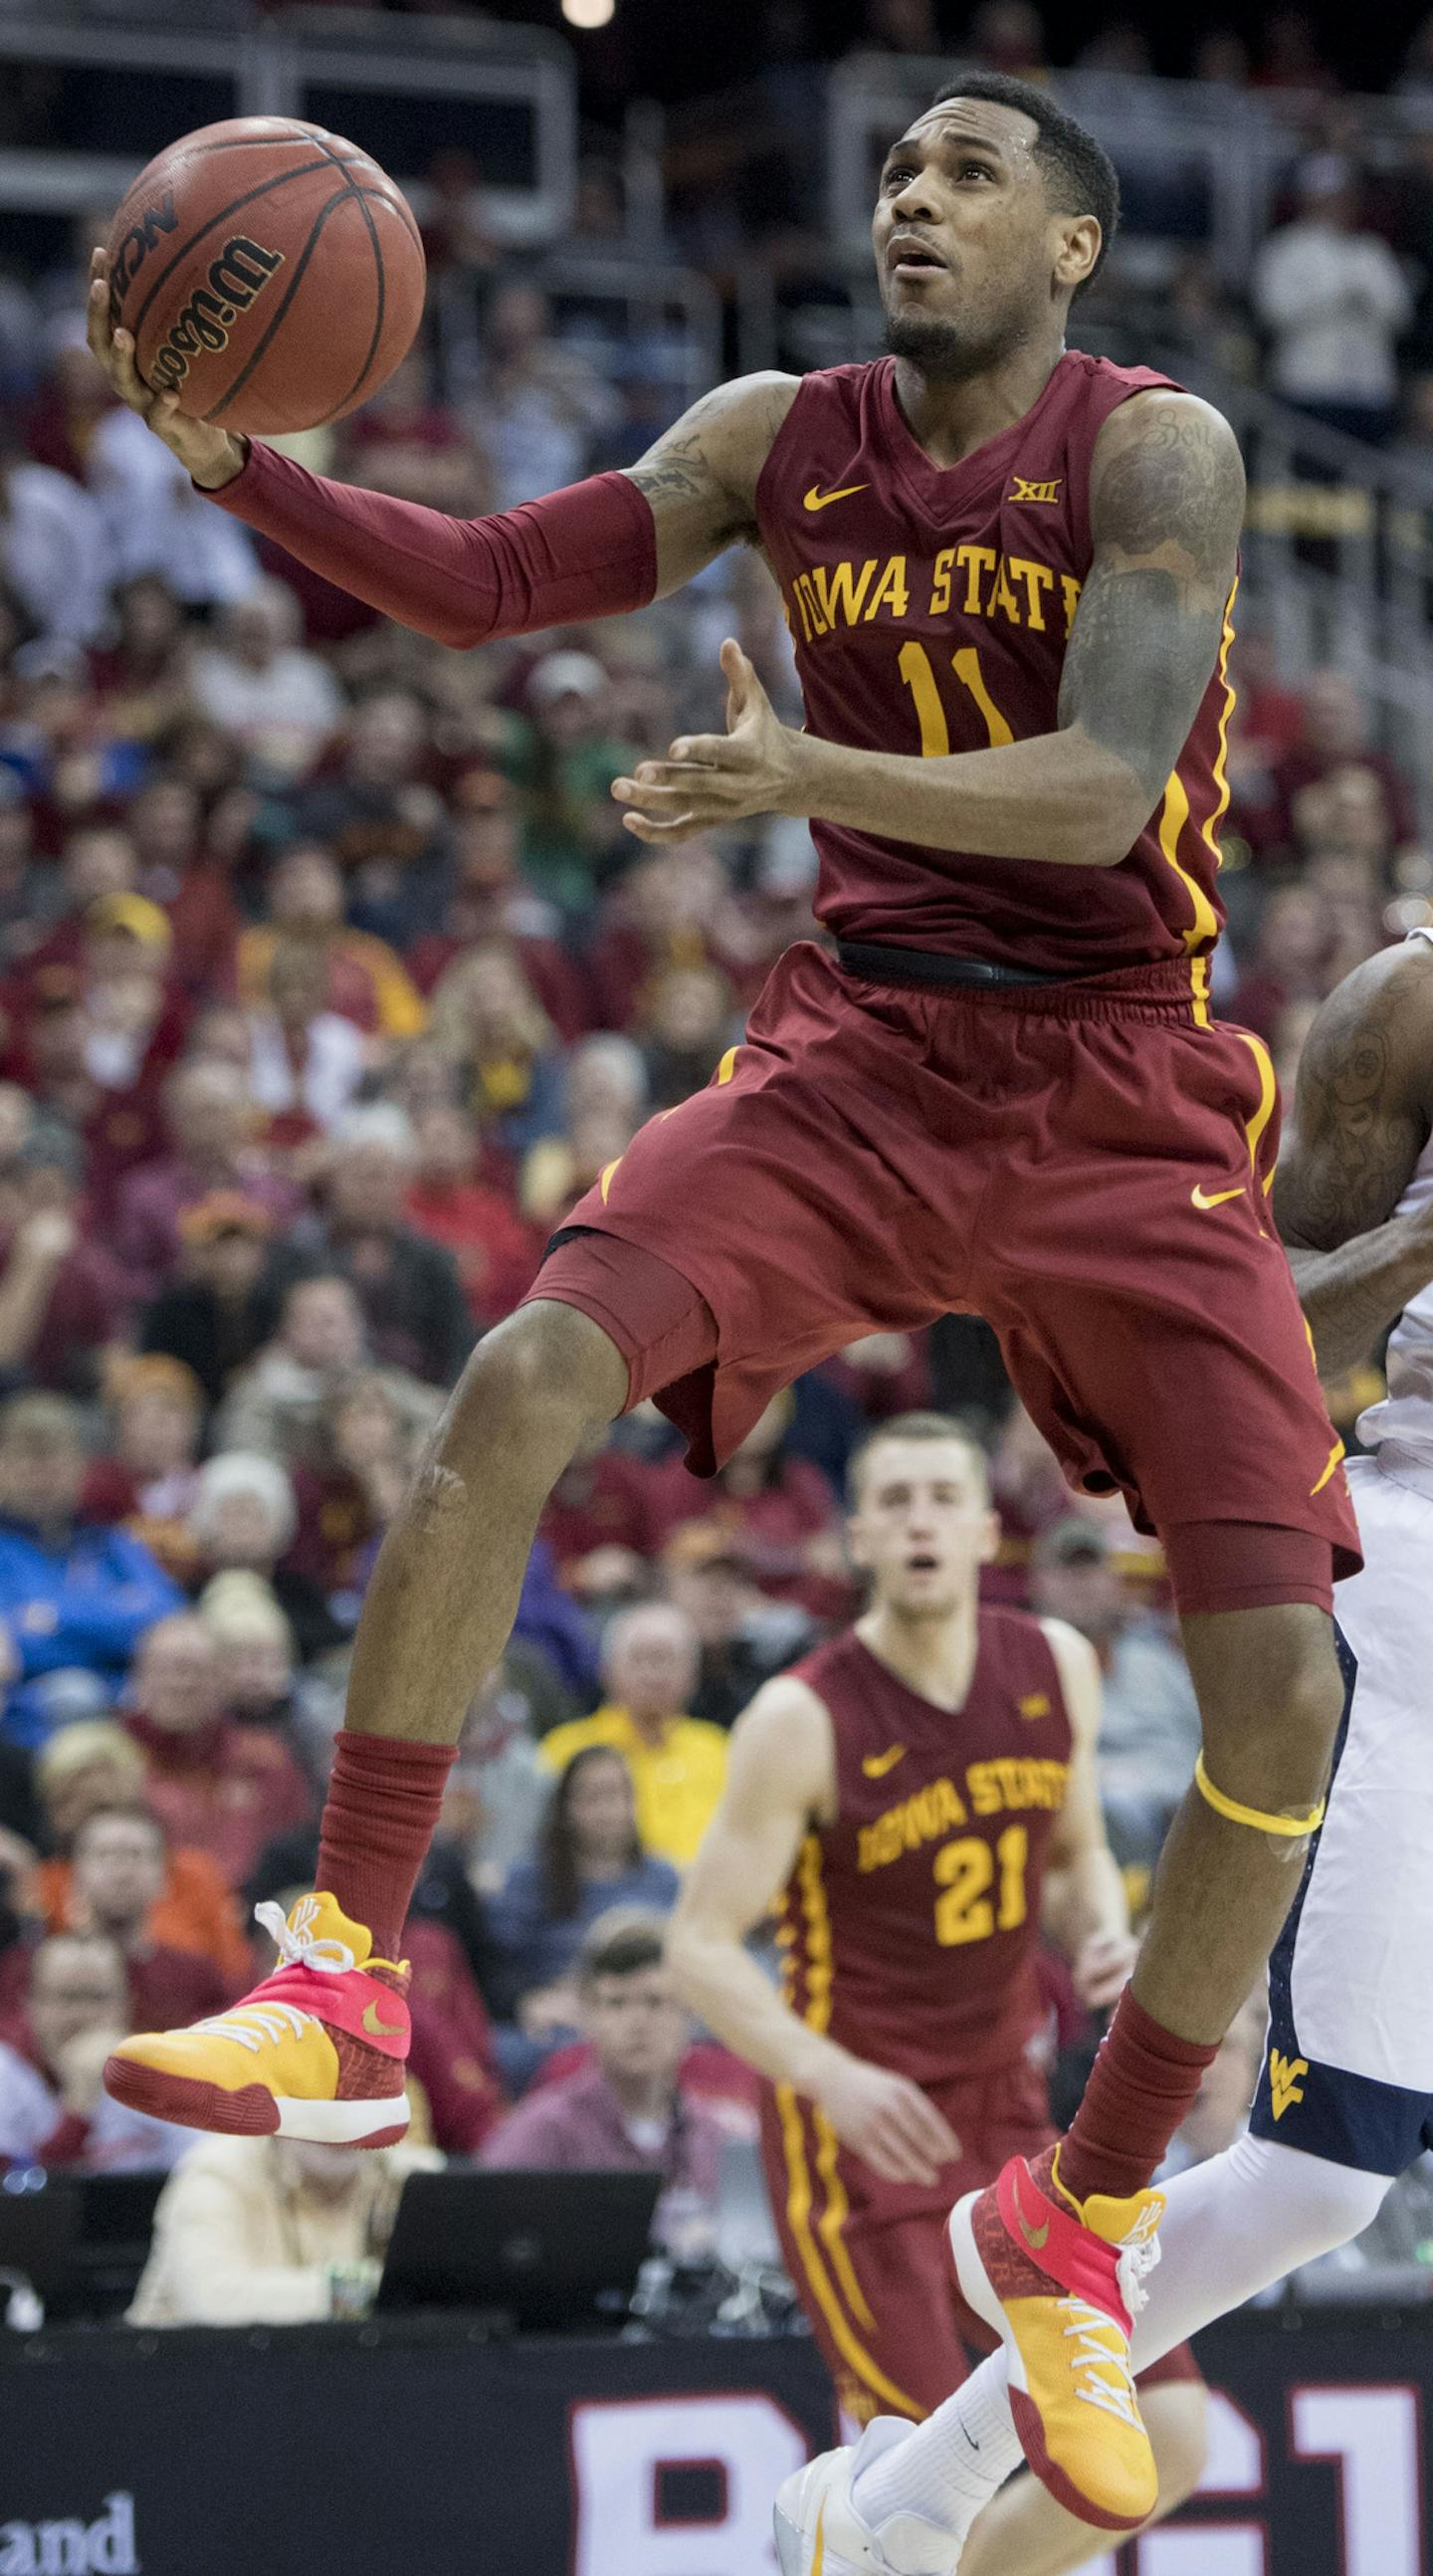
678, 1763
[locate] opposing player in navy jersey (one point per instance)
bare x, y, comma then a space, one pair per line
1009, 570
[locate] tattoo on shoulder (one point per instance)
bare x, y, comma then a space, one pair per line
1177, 481
714, 454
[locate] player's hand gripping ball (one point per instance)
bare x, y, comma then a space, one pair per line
269, 275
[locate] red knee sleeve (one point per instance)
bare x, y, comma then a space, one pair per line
590, 551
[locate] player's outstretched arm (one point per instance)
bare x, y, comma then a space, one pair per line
1166, 505
781, 1780
1361, 1117
598, 549
1084, 1908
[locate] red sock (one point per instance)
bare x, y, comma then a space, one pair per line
384, 1795
1141, 2086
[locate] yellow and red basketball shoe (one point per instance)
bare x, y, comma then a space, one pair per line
1061, 2284
316, 2051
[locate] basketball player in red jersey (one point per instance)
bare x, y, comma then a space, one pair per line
1009, 570
924, 1787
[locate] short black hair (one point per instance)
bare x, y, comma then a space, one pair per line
1080, 176
623, 1942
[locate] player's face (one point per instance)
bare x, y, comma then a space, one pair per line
922, 1526
967, 248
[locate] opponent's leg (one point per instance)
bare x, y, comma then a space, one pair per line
317, 2051
1025, 2533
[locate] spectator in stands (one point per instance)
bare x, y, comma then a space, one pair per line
142, 671
307, 1060
367, 1451
783, 1507
1149, 1733
743, 1636
258, 1679
272, 2231
414, 1312
367, 981
1289, 960
54, 2110
495, 1252
243, 1521
92, 1765
562, 766
75, 1599
688, 1017
209, 1320
499, 1786
589, 1858
487, 1022
1335, 299
62, 1296
1334, 736
157, 526
261, 684
677, 1762
278, 1406
52, 549
119, 1863
208, 1114
539, 405
607, 1099
626, 2110
219, 1787
149, 1476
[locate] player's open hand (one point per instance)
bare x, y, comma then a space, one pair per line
710, 780
888, 2122
210, 455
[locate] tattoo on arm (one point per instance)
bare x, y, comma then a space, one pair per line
701, 477
1166, 509
1355, 1136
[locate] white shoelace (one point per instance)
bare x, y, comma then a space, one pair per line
254, 2024
297, 1946
1092, 2359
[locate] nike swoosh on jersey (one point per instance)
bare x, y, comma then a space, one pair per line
377, 2029
816, 499
1213, 1198
876, 1765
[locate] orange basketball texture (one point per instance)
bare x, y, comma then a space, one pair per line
272, 274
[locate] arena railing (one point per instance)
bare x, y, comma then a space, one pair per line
406, 88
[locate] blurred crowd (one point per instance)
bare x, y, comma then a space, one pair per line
328, 981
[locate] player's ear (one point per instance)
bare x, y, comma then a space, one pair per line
989, 1547
1076, 251
855, 1546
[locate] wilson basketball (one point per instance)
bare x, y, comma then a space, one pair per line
272, 274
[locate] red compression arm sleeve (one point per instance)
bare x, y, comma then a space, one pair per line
590, 551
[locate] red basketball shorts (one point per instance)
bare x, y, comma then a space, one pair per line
1086, 1165
871, 2260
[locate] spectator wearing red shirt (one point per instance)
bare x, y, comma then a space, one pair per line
1335, 736
784, 1510
491, 902
496, 1252
119, 1862
62, 1296
149, 1477
208, 1114
605, 1517
366, 981
218, 1787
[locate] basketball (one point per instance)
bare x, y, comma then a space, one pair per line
271, 274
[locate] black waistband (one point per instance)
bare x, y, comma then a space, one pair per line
927, 966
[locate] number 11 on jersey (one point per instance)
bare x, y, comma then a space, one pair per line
916, 671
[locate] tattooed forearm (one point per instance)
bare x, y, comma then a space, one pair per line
1138, 662
1166, 502
701, 478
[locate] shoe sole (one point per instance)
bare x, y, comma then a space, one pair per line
980, 2293
253, 2111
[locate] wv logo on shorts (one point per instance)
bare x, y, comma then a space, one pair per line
1021, 490
1284, 2085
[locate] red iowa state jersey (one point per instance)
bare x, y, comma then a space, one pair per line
909, 1925
929, 607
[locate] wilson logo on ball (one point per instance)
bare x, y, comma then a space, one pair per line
134, 250
240, 273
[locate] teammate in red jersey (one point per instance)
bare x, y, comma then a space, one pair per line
1009, 571
925, 1788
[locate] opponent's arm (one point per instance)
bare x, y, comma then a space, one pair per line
1166, 506
780, 1779
1084, 1910
1360, 1120
601, 547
